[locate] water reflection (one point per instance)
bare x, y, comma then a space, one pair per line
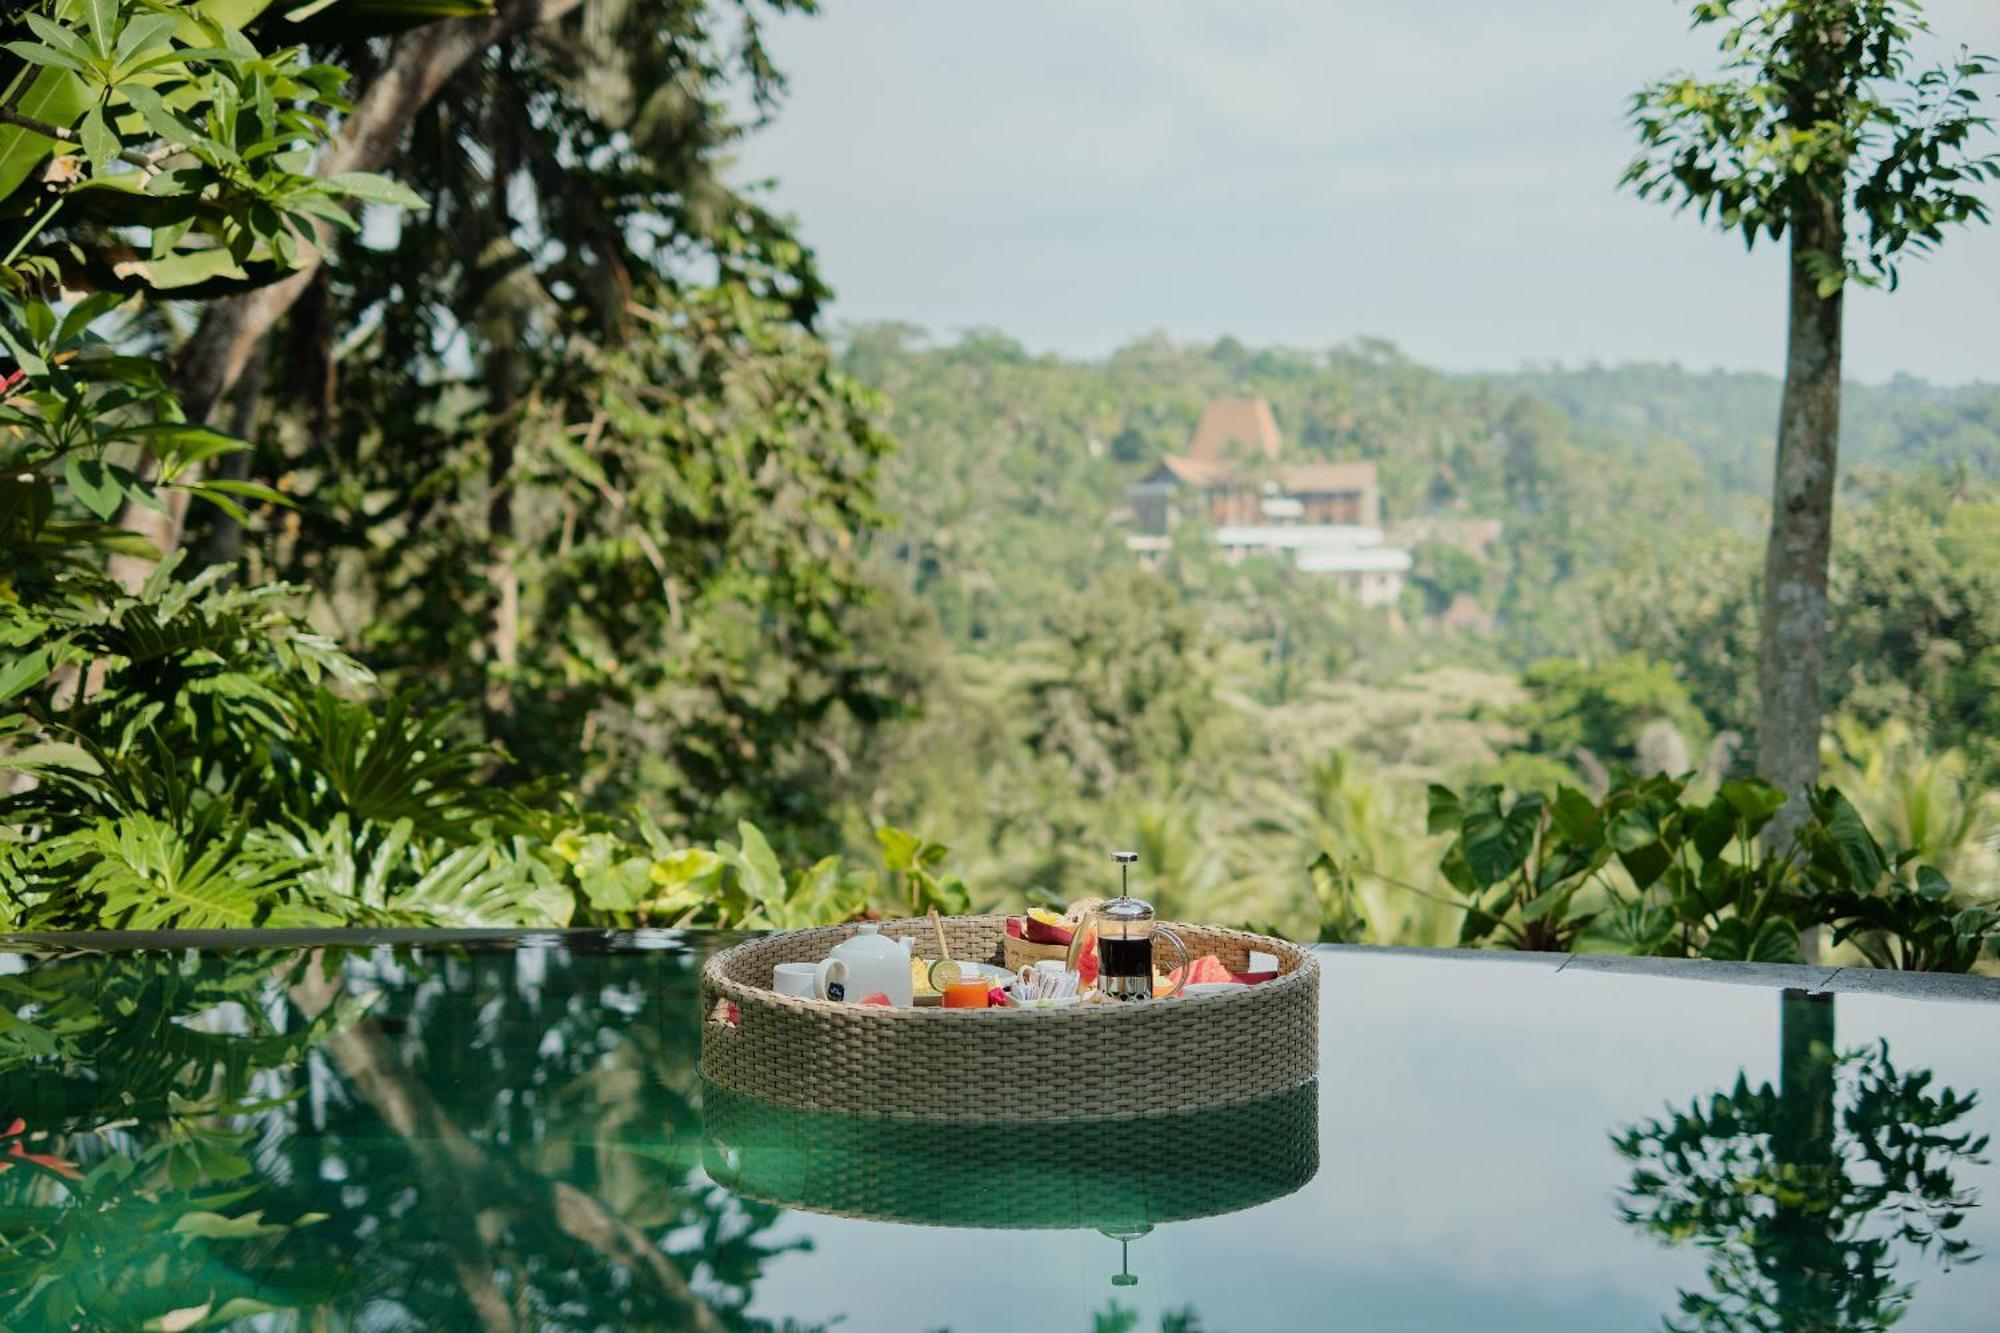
1121, 1177
383, 1140
401, 1143
1805, 1196
496, 1141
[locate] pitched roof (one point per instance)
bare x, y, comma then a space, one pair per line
1322, 478
1196, 471
1235, 426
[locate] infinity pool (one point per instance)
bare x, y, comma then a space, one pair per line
509, 1133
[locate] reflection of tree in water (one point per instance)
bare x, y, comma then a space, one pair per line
497, 1143
133, 1083
1803, 1195
1116, 1318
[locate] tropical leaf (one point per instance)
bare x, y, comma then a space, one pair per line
142, 873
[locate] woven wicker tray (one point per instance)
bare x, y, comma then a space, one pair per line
1107, 1175
1096, 1061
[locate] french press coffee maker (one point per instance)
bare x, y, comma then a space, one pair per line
1125, 929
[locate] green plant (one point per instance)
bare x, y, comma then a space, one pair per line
914, 864
1334, 895
1895, 912
1648, 871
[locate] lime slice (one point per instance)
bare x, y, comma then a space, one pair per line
943, 973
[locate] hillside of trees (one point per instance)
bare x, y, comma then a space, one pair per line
1238, 720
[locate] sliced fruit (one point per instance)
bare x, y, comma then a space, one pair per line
1046, 927
1204, 969
1086, 960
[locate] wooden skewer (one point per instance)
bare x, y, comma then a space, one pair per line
937, 924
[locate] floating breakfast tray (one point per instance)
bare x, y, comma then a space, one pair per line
1085, 1174
1094, 1061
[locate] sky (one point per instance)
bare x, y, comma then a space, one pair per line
1441, 173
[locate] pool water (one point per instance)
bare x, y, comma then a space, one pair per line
511, 1134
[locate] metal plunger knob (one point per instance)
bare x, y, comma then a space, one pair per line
1125, 860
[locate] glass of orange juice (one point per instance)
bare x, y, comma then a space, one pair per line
966, 993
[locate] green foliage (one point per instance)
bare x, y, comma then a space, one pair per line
1606, 710
914, 863
583, 585
187, 130
1649, 870
193, 754
1896, 912
597, 482
1340, 918
1819, 105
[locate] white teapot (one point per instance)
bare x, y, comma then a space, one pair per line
866, 963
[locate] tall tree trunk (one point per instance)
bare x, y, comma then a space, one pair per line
1805, 1246
505, 315
503, 620
1794, 632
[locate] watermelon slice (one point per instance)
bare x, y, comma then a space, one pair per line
1203, 969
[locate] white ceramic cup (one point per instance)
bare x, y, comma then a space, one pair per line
795, 979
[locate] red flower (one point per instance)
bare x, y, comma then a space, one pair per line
47, 1161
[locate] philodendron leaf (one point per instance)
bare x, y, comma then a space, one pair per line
1497, 844
1858, 855
1776, 942
1773, 942
899, 847
1446, 810
762, 877
1754, 799
1728, 942
1575, 817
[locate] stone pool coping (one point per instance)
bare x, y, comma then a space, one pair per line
1951, 986
1948, 986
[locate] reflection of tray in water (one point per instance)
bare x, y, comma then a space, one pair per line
1103, 1174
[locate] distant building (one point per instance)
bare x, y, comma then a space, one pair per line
1326, 518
